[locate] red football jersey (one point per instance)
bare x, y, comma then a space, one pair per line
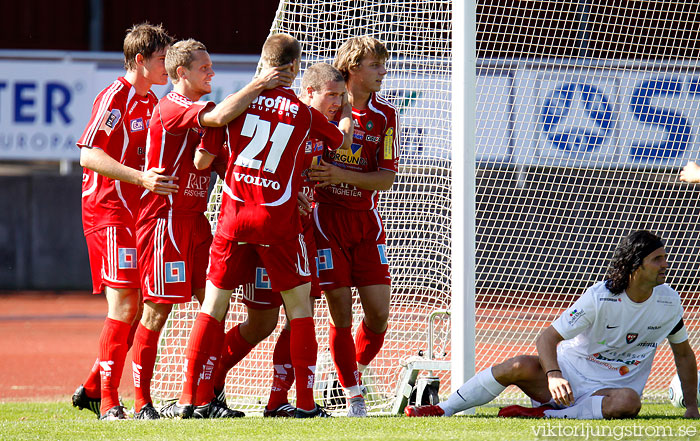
264, 173
118, 125
173, 135
375, 146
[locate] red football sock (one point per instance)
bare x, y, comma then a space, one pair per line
132, 333
205, 388
283, 374
144, 360
112, 355
368, 344
235, 348
92, 384
303, 348
343, 353
197, 354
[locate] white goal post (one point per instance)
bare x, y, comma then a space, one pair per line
535, 135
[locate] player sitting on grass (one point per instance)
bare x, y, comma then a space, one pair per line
595, 359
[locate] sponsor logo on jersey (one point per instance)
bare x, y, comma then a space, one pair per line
127, 258
352, 156
175, 272
279, 105
389, 143
325, 259
600, 357
574, 316
110, 120
647, 344
197, 185
358, 136
610, 299
374, 139
262, 280
381, 248
631, 337
256, 180
665, 302
653, 328
137, 125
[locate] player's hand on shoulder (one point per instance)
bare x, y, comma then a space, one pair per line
560, 389
153, 180
277, 76
691, 172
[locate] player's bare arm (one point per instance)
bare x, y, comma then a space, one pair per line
687, 368
97, 160
237, 103
326, 174
691, 172
203, 159
559, 387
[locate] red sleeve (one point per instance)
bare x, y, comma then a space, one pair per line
105, 120
388, 155
325, 130
189, 118
212, 141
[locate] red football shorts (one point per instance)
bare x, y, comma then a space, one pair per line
113, 258
351, 247
174, 254
258, 293
231, 263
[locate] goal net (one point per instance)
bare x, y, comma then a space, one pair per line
585, 114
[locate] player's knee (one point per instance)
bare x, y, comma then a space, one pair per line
254, 333
522, 368
622, 403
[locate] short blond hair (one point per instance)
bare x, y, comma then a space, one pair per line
353, 51
280, 49
145, 39
318, 75
181, 54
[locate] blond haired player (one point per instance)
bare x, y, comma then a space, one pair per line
259, 220
173, 234
350, 235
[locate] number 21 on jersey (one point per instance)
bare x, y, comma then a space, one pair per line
259, 130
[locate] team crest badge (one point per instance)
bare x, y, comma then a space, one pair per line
631, 337
370, 125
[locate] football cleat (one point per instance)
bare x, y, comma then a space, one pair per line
82, 401
216, 409
318, 411
283, 411
147, 412
524, 412
357, 407
221, 395
175, 410
113, 414
429, 410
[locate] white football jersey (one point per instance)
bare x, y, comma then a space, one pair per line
612, 340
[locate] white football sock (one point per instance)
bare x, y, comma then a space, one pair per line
478, 390
590, 408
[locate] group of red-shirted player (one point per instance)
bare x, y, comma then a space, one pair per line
147, 171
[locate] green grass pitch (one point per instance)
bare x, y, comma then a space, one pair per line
60, 421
